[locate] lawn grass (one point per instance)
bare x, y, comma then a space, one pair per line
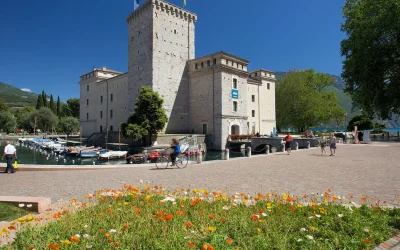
9, 212
152, 218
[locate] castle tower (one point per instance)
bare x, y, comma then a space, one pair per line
161, 41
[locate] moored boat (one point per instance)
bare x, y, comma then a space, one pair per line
112, 155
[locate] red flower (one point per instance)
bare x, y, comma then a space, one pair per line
137, 211
367, 240
188, 224
116, 244
261, 211
212, 217
191, 245
109, 210
254, 217
180, 212
222, 219
229, 241
168, 217
292, 208
126, 226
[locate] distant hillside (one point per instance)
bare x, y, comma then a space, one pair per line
14, 97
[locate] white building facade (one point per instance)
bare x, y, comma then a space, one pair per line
213, 95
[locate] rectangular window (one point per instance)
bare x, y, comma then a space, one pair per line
204, 128
202, 64
196, 66
111, 128
256, 73
101, 114
111, 97
267, 85
235, 106
253, 98
234, 83
253, 113
214, 61
87, 102
101, 99
111, 114
101, 129
87, 88
87, 116
208, 63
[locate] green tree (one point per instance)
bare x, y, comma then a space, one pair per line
337, 114
24, 122
3, 105
69, 125
53, 105
46, 120
371, 68
148, 118
39, 103
7, 122
20, 114
58, 106
379, 126
64, 110
362, 122
301, 101
74, 106
44, 96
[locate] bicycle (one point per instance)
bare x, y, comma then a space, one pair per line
181, 161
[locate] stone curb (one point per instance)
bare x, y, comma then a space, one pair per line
391, 244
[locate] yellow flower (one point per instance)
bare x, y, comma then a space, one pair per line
29, 218
269, 206
126, 203
148, 197
66, 242
183, 199
22, 220
299, 205
211, 229
258, 230
269, 195
326, 200
261, 221
4, 229
119, 204
284, 196
312, 228
1, 233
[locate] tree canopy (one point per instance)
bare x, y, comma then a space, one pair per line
39, 103
74, 107
301, 101
371, 68
69, 125
362, 122
148, 118
52, 105
45, 119
3, 105
7, 121
58, 108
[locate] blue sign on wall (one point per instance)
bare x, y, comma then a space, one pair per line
235, 93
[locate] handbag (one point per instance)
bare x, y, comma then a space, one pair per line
15, 164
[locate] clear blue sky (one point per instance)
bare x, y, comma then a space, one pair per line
47, 44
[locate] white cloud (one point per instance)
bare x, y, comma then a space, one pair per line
26, 90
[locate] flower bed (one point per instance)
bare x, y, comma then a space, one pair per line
152, 218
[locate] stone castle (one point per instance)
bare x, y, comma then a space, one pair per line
213, 95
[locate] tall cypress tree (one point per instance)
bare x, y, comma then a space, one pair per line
58, 106
44, 96
52, 105
39, 102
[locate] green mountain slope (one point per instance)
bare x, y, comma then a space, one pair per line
14, 97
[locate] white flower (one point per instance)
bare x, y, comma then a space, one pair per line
298, 240
186, 237
303, 229
78, 235
21, 205
29, 205
343, 197
350, 209
366, 230
322, 195
264, 214
310, 237
86, 236
168, 199
88, 246
112, 231
85, 226
355, 204
148, 182
311, 217
340, 215
140, 181
317, 215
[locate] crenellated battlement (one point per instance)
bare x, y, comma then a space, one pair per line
164, 6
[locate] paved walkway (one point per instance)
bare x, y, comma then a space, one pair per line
372, 170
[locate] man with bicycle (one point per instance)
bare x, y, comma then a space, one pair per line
177, 149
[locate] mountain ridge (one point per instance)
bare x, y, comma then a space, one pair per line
15, 97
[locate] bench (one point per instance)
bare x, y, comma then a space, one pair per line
39, 204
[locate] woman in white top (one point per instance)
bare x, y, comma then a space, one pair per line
323, 142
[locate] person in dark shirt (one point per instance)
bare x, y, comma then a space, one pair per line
177, 149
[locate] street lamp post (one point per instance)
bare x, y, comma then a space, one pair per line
345, 128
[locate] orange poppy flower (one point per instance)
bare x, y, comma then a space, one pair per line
222, 219
254, 217
31, 247
12, 227
54, 246
109, 210
188, 224
116, 244
367, 240
293, 208
180, 212
168, 217
305, 196
101, 230
191, 245
57, 215
73, 200
137, 211
126, 226
229, 241
108, 234
110, 240
212, 217
261, 211
38, 219
74, 239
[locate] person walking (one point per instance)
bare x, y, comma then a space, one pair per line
332, 142
9, 152
323, 142
288, 143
